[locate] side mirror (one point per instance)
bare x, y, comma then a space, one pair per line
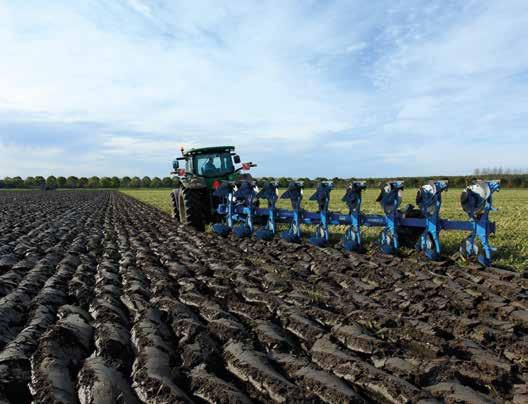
175, 164
236, 159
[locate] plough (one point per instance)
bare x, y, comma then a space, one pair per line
242, 215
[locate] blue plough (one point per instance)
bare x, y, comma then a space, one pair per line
240, 211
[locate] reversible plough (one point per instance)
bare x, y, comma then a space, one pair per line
242, 215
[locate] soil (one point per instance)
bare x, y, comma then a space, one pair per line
104, 299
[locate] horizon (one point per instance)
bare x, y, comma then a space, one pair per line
507, 174
308, 89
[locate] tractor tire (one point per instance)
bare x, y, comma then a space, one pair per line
174, 200
193, 207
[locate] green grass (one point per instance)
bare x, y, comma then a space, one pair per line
511, 239
158, 198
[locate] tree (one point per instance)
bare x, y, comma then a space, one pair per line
51, 182
17, 182
93, 182
372, 182
61, 182
457, 182
39, 181
145, 182
105, 182
125, 182
8, 182
72, 182
283, 182
338, 182
83, 182
135, 182
115, 183
308, 183
29, 182
155, 183
166, 182
517, 181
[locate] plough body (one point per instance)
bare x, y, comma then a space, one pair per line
240, 212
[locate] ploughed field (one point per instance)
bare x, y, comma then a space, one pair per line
510, 240
105, 299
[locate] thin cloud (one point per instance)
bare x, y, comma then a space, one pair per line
141, 7
270, 80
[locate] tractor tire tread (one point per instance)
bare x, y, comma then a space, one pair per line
195, 207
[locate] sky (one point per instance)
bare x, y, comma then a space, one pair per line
302, 88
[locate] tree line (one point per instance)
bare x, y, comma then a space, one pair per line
507, 180
499, 171
72, 182
52, 182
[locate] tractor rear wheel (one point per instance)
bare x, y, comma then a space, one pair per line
174, 199
193, 207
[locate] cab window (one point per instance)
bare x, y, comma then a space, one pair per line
213, 165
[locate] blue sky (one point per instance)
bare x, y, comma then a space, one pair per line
303, 88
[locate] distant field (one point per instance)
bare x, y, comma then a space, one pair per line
155, 197
511, 239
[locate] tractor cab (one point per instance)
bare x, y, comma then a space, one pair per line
208, 162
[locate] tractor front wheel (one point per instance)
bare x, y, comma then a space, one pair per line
192, 207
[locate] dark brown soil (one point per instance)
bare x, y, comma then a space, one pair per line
106, 300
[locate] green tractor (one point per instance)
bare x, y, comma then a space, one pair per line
193, 202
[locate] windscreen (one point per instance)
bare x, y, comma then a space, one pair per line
213, 165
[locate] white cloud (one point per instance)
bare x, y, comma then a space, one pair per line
144, 148
141, 7
254, 74
355, 47
21, 160
345, 144
79, 71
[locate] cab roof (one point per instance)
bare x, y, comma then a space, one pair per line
205, 150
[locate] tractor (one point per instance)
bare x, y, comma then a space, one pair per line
203, 171
211, 190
